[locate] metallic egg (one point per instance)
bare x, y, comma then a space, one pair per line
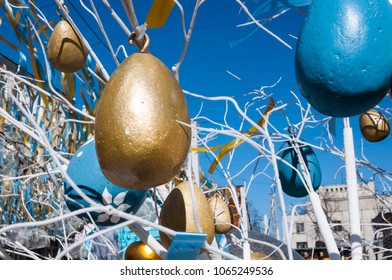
66, 51
177, 213
221, 212
374, 126
259, 256
140, 251
139, 141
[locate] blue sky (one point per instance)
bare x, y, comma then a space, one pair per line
260, 60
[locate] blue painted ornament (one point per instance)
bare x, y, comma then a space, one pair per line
343, 59
85, 171
292, 184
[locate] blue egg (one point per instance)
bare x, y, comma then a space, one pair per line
292, 184
85, 171
343, 60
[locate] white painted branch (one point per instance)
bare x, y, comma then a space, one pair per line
352, 192
323, 225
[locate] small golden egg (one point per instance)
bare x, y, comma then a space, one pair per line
139, 141
374, 126
177, 213
259, 256
221, 214
140, 251
66, 51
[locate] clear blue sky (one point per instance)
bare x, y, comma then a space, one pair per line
260, 60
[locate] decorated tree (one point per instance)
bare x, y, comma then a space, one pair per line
104, 150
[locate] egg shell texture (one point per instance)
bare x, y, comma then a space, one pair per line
66, 51
343, 59
139, 142
84, 170
177, 213
291, 182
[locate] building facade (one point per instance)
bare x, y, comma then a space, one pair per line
307, 239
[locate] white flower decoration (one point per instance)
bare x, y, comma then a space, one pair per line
107, 199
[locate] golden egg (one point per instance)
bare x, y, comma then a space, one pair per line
177, 213
140, 251
140, 143
66, 51
221, 214
374, 126
259, 256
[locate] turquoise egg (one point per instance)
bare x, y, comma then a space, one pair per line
343, 60
85, 171
292, 184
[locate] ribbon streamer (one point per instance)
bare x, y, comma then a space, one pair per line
236, 142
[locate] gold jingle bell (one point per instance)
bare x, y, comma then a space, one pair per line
66, 51
374, 126
177, 213
139, 141
140, 251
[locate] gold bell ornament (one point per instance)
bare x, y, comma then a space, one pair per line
140, 251
177, 213
66, 51
374, 126
139, 139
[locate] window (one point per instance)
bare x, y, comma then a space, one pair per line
302, 245
300, 227
337, 225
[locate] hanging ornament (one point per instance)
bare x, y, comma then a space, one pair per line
66, 51
177, 212
140, 251
291, 182
221, 212
259, 256
140, 142
84, 170
374, 126
343, 58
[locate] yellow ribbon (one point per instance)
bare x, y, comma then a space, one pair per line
236, 142
159, 12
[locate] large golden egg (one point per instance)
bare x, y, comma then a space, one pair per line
221, 212
140, 251
66, 51
139, 142
374, 126
177, 213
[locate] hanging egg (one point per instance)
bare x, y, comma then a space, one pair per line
259, 256
221, 212
343, 59
374, 126
177, 212
291, 182
84, 170
66, 51
140, 143
140, 251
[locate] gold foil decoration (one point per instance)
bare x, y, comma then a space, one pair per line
374, 126
140, 143
140, 251
177, 213
66, 51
